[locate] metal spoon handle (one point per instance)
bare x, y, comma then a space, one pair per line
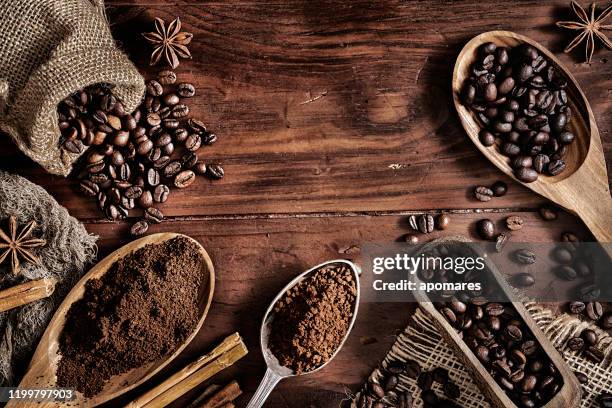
268, 382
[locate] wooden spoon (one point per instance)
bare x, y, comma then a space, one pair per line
583, 187
41, 372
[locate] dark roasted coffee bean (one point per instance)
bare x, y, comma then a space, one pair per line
172, 169
563, 255
588, 292
582, 378
391, 382
154, 88
166, 77
524, 280
161, 162
429, 397
606, 321
582, 268
139, 228
161, 193
186, 90
153, 215
556, 167
482, 193
171, 99
152, 177
576, 307
163, 140
514, 223
547, 213
74, 146
499, 188
575, 343
524, 256
567, 272
510, 149
396, 367
594, 354
425, 381
153, 119
144, 147
168, 149
540, 163
199, 168
170, 123
442, 221
188, 160
449, 315
89, 188
529, 383
486, 138
522, 161
184, 179
440, 375
594, 310
193, 142
486, 229
215, 171
209, 138
494, 309
413, 369
566, 137
180, 111
425, 223
154, 154
376, 390
111, 212
513, 333
145, 200
526, 174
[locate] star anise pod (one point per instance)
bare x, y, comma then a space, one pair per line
589, 27
169, 42
19, 244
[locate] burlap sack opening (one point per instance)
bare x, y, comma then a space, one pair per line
48, 50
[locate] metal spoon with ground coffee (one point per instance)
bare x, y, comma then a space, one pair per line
307, 323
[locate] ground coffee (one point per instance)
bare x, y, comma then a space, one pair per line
140, 311
313, 317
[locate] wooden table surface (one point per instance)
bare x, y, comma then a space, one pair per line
335, 122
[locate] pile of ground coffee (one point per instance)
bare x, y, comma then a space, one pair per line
313, 317
140, 311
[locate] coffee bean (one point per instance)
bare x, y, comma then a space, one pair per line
606, 321
153, 177
413, 369
154, 88
186, 90
139, 228
562, 255
486, 138
582, 378
153, 215
588, 292
180, 111
451, 390
172, 169
411, 239
145, 200
576, 307
594, 310
575, 343
540, 163
566, 272
189, 160
499, 188
524, 256
425, 381
161, 193
513, 333
547, 213
89, 188
171, 99
443, 221
429, 397
514, 223
486, 229
582, 268
482, 193
524, 280
526, 175
199, 168
193, 142
594, 354
215, 171
74, 146
425, 223
184, 179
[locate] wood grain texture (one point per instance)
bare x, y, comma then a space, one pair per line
255, 258
379, 132
333, 118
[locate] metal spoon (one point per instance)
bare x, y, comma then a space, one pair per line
275, 372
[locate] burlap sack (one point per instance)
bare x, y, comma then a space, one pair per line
48, 50
421, 341
68, 252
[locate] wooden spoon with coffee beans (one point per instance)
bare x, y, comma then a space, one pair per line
582, 188
41, 372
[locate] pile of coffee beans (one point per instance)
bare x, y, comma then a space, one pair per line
586, 343
135, 159
425, 223
520, 99
504, 344
592, 311
385, 393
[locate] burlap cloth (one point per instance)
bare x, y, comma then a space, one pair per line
69, 250
422, 342
48, 50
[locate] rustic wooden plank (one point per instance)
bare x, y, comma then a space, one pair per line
334, 106
254, 258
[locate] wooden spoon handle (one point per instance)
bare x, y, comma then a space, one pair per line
597, 215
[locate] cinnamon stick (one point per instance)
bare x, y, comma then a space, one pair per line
25, 293
224, 396
210, 390
227, 353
